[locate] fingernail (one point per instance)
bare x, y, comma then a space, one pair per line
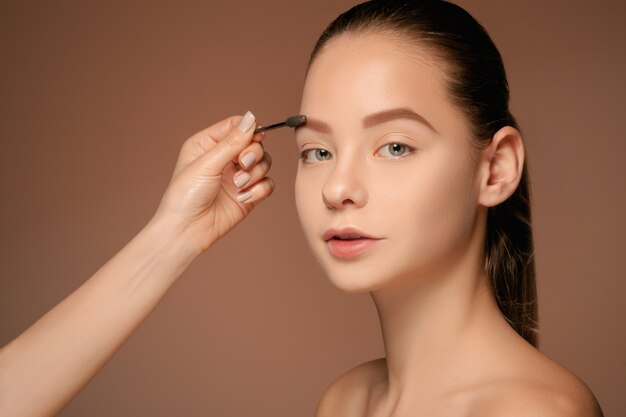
248, 159
241, 179
244, 197
246, 122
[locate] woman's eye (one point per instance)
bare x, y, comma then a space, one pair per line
396, 150
315, 153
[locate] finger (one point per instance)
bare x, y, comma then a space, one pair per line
250, 156
214, 133
243, 179
257, 193
227, 150
201, 142
206, 138
258, 137
221, 129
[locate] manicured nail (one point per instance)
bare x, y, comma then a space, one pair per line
248, 159
246, 122
241, 179
244, 197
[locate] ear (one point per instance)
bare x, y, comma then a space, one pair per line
501, 165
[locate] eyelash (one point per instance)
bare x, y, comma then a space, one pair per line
410, 150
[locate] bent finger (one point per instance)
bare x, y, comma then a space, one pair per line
243, 178
227, 150
250, 156
258, 137
208, 137
257, 193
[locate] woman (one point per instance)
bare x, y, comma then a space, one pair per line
409, 141
412, 186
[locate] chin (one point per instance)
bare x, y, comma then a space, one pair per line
351, 285
353, 279
352, 276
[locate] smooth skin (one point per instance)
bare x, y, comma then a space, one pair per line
449, 351
50, 362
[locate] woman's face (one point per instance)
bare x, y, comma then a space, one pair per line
391, 176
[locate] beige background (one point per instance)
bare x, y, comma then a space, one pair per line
96, 102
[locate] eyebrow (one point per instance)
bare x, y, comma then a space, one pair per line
372, 120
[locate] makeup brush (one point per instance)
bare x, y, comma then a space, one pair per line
293, 121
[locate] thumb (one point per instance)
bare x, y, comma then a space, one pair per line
227, 150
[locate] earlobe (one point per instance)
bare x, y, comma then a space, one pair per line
502, 163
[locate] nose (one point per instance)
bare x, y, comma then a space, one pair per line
345, 186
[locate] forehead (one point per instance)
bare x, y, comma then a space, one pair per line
365, 73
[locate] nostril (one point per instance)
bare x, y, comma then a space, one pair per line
338, 194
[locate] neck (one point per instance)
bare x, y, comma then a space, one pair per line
438, 328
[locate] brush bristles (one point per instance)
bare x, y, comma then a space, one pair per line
295, 121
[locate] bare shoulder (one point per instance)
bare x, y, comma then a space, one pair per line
555, 392
347, 395
541, 387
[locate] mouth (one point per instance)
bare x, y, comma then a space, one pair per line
351, 238
349, 247
347, 234
348, 242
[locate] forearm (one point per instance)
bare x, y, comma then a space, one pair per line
49, 363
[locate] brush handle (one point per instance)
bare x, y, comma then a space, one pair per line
293, 121
269, 127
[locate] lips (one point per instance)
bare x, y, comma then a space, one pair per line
347, 233
347, 243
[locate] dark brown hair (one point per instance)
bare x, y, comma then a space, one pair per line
477, 84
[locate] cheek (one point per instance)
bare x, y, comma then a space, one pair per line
434, 216
446, 212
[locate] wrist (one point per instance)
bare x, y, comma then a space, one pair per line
169, 237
